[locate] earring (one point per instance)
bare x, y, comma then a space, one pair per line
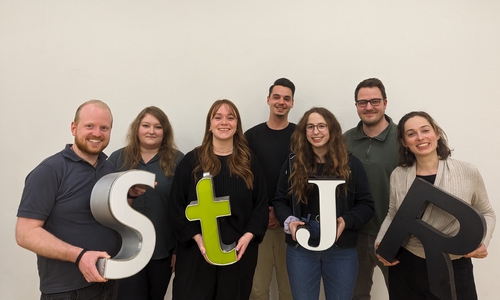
406, 151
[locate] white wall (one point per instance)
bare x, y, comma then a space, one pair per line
438, 56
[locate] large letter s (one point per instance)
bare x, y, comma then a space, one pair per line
109, 206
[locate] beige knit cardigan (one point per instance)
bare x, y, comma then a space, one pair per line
458, 178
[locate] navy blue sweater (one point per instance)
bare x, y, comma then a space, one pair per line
356, 208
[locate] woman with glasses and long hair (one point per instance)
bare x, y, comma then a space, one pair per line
151, 147
424, 153
318, 149
225, 154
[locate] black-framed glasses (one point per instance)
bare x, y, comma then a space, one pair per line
321, 127
364, 103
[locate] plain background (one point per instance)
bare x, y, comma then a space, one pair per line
437, 56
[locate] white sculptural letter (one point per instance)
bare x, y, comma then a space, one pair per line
109, 206
328, 213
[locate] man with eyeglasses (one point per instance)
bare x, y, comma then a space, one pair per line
270, 142
373, 141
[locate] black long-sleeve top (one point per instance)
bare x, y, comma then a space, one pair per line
356, 208
249, 208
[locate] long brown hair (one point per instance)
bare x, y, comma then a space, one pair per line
239, 161
407, 158
168, 149
305, 165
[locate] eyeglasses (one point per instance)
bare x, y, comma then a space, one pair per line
321, 127
364, 103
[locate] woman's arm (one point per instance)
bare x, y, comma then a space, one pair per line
181, 184
481, 202
359, 197
393, 207
257, 223
282, 201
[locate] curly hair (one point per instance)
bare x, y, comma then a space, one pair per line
305, 165
167, 151
239, 161
407, 158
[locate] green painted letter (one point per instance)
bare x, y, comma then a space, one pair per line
207, 209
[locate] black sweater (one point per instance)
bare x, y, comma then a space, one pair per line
271, 147
249, 208
356, 208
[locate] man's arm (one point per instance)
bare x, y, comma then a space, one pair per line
31, 235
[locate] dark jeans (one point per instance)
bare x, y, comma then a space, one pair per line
96, 291
409, 279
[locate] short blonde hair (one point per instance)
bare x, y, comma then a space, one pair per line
95, 102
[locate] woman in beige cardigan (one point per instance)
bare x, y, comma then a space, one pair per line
424, 153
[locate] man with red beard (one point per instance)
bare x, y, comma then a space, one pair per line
54, 217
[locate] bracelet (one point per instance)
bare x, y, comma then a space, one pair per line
131, 197
80, 256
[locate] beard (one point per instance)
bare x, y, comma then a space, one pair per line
281, 113
373, 122
86, 147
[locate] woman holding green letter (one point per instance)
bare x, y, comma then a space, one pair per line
236, 176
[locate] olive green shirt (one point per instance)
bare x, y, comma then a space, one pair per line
379, 156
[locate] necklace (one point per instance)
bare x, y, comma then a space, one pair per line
93, 165
220, 151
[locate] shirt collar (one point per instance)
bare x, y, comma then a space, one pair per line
360, 134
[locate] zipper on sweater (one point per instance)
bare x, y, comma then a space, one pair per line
367, 160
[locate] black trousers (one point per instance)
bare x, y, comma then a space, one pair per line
96, 291
150, 283
408, 280
195, 279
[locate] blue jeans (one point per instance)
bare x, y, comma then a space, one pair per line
337, 266
96, 291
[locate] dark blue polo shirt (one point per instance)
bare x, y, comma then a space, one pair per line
58, 192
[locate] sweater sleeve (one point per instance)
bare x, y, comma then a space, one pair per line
184, 229
482, 204
393, 207
282, 200
363, 209
259, 218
